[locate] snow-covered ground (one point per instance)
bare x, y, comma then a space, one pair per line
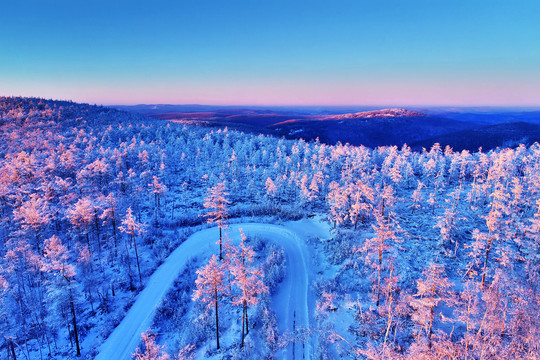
293, 303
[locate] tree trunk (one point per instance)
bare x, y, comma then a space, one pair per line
137, 256
220, 244
484, 270
75, 331
389, 323
379, 278
247, 323
114, 231
12, 350
430, 326
130, 275
217, 317
243, 324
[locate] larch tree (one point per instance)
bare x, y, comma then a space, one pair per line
377, 247
63, 284
389, 291
271, 190
417, 197
361, 196
110, 208
158, 189
34, 215
248, 279
133, 228
150, 350
81, 215
433, 288
186, 353
467, 308
210, 284
338, 200
217, 203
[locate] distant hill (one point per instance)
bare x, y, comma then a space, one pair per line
488, 137
384, 113
372, 128
461, 128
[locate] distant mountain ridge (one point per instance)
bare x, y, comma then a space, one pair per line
461, 128
383, 113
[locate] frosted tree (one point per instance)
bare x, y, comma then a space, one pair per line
417, 197
248, 279
186, 353
316, 185
132, 228
229, 258
361, 197
217, 203
271, 191
110, 208
99, 169
81, 215
377, 247
150, 350
158, 189
209, 286
431, 289
34, 215
389, 292
56, 262
338, 202
533, 236
447, 227
484, 243
387, 200
4, 308
468, 307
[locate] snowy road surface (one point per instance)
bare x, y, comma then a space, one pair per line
293, 302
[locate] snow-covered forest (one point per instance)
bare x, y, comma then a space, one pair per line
430, 255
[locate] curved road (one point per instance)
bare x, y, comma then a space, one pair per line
292, 303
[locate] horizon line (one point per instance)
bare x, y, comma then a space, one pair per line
240, 105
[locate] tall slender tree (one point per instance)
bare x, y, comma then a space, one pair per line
217, 203
432, 288
56, 262
133, 228
210, 285
248, 279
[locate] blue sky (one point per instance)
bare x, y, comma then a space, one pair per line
459, 52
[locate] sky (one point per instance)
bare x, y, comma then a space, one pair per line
273, 52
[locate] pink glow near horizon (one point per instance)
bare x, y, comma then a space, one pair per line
308, 92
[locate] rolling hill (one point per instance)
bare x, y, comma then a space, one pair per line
459, 128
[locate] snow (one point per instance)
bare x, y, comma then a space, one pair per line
293, 303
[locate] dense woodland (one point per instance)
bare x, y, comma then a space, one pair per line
434, 254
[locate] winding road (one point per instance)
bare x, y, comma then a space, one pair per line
293, 303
